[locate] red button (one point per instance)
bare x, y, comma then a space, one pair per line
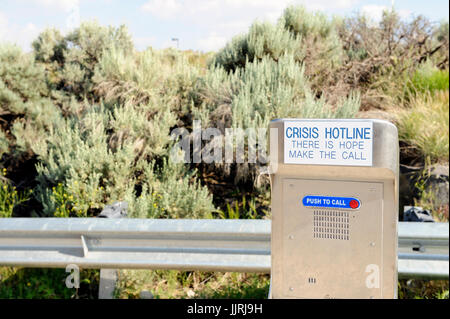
354, 203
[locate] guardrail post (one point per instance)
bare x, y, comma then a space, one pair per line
108, 277
108, 280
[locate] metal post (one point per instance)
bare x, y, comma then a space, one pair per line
108, 277
177, 41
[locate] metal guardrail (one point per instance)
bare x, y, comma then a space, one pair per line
209, 245
423, 250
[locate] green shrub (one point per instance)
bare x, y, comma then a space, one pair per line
309, 37
9, 196
4, 143
262, 40
320, 42
164, 79
251, 97
89, 155
425, 126
381, 54
25, 110
265, 90
440, 37
21, 80
423, 289
71, 60
109, 155
41, 283
428, 78
171, 191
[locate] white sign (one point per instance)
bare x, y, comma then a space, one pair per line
328, 142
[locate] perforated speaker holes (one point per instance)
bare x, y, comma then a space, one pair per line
328, 224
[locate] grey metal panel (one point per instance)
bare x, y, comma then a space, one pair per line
423, 269
148, 260
135, 226
223, 245
384, 169
333, 252
429, 231
210, 245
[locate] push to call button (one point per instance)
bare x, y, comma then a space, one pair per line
331, 202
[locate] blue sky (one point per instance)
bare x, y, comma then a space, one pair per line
198, 24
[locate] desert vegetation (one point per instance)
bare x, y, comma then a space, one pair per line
85, 121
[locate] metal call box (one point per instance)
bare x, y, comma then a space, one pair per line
334, 208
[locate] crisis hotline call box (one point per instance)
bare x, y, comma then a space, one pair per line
334, 208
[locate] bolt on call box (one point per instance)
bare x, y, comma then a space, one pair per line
334, 208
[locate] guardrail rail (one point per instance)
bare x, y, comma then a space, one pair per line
209, 245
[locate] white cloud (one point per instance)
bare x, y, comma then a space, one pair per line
20, 35
142, 43
64, 5
212, 43
328, 4
168, 9
3, 24
235, 26
164, 9
375, 12
168, 44
222, 19
192, 9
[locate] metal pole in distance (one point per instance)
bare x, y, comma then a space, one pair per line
177, 41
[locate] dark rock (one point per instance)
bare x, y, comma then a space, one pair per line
417, 214
438, 182
434, 179
407, 186
116, 210
145, 294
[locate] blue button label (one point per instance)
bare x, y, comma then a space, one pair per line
331, 202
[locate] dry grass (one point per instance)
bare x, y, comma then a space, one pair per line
424, 126
168, 284
423, 289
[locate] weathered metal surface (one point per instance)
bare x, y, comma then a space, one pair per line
210, 245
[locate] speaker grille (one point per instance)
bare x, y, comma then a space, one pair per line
332, 225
